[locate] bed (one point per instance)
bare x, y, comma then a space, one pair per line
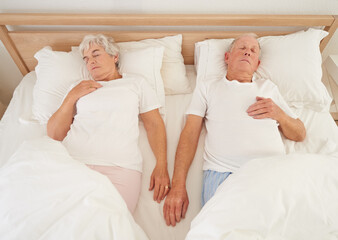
45, 194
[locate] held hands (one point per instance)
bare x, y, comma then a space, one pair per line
160, 182
83, 88
175, 205
265, 108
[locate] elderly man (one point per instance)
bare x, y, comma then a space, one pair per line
243, 117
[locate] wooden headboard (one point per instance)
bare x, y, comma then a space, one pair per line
22, 45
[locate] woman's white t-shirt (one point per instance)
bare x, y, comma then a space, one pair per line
233, 137
105, 129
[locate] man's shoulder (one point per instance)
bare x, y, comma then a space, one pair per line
265, 82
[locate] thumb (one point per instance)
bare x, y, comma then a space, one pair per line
152, 181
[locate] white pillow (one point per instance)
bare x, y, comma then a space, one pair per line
146, 62
57, 71
173, 69
209, 58
292, 62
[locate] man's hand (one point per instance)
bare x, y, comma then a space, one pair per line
265, 108
292, 129
175, 205
160, 182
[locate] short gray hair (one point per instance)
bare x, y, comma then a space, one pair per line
254, 35
107, 43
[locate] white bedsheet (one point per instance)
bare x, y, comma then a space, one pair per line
17, 126
291, 197
45, 194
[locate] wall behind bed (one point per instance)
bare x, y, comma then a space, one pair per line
10, 76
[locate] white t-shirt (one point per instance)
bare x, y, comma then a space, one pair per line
105, 128
233, 137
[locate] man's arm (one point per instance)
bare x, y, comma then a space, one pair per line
155, 128
59, 123
177, 201
292, 129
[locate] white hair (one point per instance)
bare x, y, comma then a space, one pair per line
254, 35
107, 43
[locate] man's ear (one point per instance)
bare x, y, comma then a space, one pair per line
259, 62
226, 57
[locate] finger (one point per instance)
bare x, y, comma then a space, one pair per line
261, 116
160, 194
259, 98
165, 209
166, 191
172, 216
156, 191
151, 186
258, 112
168, 216
257, 106
178, 213
185, 208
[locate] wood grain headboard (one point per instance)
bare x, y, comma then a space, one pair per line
22, 45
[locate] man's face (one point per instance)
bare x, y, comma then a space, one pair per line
244, 56
99, 63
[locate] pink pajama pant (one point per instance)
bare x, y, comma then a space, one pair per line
126, 181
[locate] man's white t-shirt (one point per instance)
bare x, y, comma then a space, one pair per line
233, 137
105, 129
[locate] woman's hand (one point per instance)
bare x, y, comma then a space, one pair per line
83, 88
160, 182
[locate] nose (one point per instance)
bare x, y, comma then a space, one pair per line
91, 60
247, 54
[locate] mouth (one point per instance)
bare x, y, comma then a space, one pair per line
245, 60
93, 68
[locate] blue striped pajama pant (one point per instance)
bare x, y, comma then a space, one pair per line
211, 181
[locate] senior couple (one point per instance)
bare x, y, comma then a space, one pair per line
243, 115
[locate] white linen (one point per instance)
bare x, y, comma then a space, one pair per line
233, 136
106, 123
56, 71
321, 133
289, 197
45, 194
17, 126
173, 69
292, 62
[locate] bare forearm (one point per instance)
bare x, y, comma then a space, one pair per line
158, 142
292, 129
59, 124
185, 153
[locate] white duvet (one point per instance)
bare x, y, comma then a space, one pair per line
293, 197
45, 194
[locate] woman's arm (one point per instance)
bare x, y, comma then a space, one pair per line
59, 123
155, 128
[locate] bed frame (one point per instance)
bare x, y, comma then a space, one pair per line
22, 45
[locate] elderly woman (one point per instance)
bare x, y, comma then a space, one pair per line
98, 122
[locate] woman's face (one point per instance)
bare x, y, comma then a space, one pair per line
99, 63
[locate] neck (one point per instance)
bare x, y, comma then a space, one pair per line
113, 76
239, 76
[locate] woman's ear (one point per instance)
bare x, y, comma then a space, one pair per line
116, 58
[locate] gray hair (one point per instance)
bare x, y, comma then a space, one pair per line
107, 43
254, 35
